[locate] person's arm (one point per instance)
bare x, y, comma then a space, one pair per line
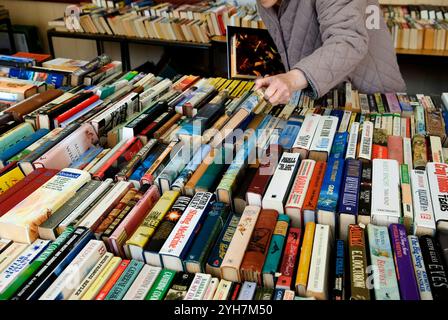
345, 44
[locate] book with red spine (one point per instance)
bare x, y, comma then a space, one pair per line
312, 196
133, 219
19, 185
24, 189
112, 280
78, 108
395, 148
260, 182
289, 260
134, 143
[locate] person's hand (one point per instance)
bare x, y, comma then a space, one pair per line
279, 88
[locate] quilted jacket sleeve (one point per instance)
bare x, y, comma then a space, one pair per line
345, 44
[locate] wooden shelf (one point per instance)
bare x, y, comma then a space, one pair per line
423, 52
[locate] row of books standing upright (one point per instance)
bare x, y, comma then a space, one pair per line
203, 180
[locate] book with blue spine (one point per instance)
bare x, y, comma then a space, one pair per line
222, 243
125, 281
86, 157
421, 274
191, 167
339, 274
329, 193
339, 114
278, 294
21, 145
289, 134
16, 134
272, 263
348, 202
247, 291
384, 277
206, 238
339, 147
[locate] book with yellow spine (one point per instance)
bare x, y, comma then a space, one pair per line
102, 278
10, 178
305, 259
138, 240
21, 222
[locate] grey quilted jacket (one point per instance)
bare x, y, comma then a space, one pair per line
329, 41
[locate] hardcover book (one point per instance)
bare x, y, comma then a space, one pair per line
357, 263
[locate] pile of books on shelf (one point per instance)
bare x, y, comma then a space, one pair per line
418, 27
141, 187
193, 23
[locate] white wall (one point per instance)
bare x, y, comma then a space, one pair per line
38, 13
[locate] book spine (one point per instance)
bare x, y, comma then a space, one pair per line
353, 141
124, 282
365, 148
339, 275
306, 133
143, 283
329, 194
161, 286
436, 268
358, 264
198, 286
289, 258
71, 277
438, 183
424, 222
403, 263
406, 198
384, 277
421, 274
348, 203
112, 280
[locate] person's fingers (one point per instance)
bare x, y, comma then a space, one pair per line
270, 91
262, 82
276, 98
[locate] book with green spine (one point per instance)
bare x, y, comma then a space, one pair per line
206, 238
161, 286
36, 264
212, 174
274, 256
125, 281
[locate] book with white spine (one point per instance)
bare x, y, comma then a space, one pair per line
407, 152
21, 222
424, 221
63, 287
294, 205
281, 182
198, 287
303, 141
323, 139
10, 253
212, 287
21, 262
179, 240
352, 141
90, 278
143, 283
343, 127
247, 291
436, 149
104, 206
438, 184
365, 147
386, 206
320, 262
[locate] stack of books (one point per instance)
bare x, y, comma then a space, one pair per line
191, 23
198, 188
418, 27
